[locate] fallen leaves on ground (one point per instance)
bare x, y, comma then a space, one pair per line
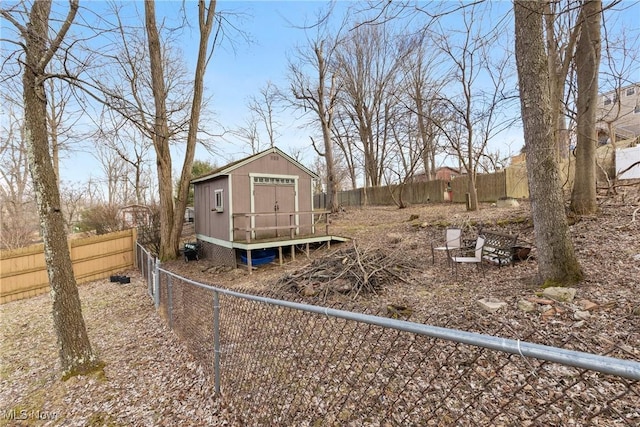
149, 378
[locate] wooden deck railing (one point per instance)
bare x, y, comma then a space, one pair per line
289, 225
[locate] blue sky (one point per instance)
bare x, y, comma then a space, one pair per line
239, 71
236, 72
236, 75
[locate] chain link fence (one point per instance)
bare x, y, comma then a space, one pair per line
287, 363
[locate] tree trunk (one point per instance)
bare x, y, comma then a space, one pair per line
76, 355
472, 166
556, 79
323, 102
326, 108
558, 71
332, 181
473, 192
206, 20
583, 197
161, 134
556, 258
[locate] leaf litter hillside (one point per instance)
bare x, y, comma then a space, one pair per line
151, 379
388, 262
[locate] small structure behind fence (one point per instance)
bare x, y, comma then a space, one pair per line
287, 363
23, 272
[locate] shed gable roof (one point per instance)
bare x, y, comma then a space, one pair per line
227, 169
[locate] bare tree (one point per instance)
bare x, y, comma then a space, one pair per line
406, 155
19, 218
264, 106
19, 224
148, 97
73, 199
424, 91
115, 171
557, 262
125, 83
568, 26
561, 35
477, 113
343, 132
249, 134
129, 144
564, 23
369, 61
318, 94
587, 59
76, 355
172, 218
126, 125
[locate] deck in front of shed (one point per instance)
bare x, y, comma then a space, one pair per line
282, 242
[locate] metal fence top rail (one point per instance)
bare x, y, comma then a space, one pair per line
607, 365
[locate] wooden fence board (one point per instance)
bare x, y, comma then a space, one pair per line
23, 271
510, 182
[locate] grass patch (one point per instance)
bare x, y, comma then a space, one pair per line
509, 221
102, 419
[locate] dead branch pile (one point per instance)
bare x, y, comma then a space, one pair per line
351, 271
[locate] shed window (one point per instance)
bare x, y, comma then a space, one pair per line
272, 181
218, 200
607, 101
631, 91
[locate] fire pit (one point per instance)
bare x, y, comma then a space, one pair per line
520, 253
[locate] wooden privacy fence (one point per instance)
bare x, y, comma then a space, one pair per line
23, 272
491, 187
509, 182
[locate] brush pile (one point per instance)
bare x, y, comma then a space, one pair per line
351, 271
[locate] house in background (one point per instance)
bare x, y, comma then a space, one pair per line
264, 201
618, 114
132, 216
446, 173
189, 214
443, 173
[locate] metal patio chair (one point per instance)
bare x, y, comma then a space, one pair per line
475, 259
452, 240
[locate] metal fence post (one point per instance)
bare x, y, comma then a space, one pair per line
216, 341
170, 302
156, 284
149, 276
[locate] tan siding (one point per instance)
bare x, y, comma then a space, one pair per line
270, 164
516, 181
240, 202
214, 224
200, 207
305, 198
241, 192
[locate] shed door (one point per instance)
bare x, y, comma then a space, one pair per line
277, 196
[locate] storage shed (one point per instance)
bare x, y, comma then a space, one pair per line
264, 201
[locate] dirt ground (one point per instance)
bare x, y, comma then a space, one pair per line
607, 246
151, 379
